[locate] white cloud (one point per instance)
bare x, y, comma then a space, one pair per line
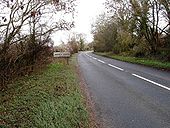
87, 10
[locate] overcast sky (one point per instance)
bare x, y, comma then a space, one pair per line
87, 11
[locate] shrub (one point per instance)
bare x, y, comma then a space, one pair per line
21, 59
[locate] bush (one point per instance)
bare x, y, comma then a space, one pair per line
141, 48
21, 59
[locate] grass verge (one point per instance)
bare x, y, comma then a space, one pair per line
51, 99
143, 61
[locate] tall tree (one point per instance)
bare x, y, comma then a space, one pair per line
105, 34
141, 19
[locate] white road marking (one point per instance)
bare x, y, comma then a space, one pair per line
101, 61
160, 85
88, 55
116, 67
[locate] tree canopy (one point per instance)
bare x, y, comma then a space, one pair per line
135, 27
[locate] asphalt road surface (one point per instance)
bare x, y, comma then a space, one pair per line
127, 95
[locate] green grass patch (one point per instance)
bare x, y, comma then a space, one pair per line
51, 99
143, 61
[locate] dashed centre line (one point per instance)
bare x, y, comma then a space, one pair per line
150, 81
101, 61
105, 63
138, 76
116, 67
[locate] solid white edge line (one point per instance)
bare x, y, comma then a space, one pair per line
116, 67
160, 85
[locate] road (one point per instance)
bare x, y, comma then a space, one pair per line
127, 95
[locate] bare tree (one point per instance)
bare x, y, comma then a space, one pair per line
25, 29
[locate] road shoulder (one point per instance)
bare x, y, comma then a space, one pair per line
93, 122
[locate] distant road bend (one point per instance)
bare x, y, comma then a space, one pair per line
127, 95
